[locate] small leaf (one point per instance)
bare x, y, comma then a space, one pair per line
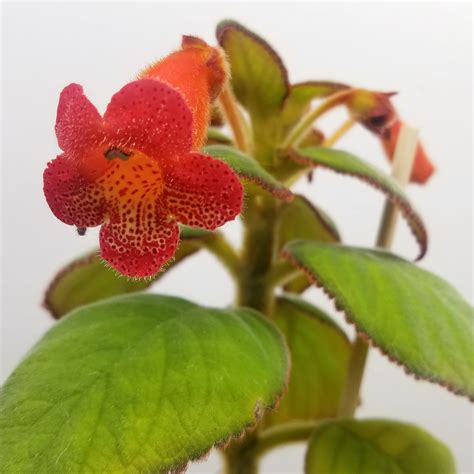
87, 279
249, 169
415, 317
301, 95
346, 163
260, 83
141, 383
300, 219
259, 78
376, 446
319, 353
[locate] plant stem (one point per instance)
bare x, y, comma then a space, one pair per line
254, 291
355, 373
401, 170
217, 244
342, 130
233, 117
259, 254
304, 125
284, 434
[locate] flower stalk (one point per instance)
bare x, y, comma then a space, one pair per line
403, 161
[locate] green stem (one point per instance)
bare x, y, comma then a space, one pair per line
259, 255
305, 124
355, 373
282, 435
254, 291
218, 245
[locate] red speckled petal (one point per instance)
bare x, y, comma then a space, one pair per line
78, 124
201, 191
423, 168
140, 249
150, 116
72, 198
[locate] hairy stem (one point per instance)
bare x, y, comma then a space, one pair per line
234, 118
259, 254
401, 170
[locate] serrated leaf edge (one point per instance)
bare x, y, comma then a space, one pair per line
338, 304
411, 216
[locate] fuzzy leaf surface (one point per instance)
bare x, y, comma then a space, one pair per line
415, 317
138, 383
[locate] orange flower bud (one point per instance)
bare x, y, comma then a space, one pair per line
199, 72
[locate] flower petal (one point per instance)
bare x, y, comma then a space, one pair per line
202, 192
150, 116
71, 196
78, 124
140, 249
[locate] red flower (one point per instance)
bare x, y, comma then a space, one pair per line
135, 172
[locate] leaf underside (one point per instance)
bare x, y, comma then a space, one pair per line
412, 315
141, 383
319, 353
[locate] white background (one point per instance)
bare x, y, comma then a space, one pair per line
421, 50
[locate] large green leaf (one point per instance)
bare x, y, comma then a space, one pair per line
375, 447
141, 383
301, 219
319, 354
349, 164
301, 95
415, 317
249, 169
260, 82
87, 279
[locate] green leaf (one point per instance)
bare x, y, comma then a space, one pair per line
259, 78
300, 219
349, 164
301, 95
260, 83
141, 383
87, 279
319, 353
249, 169
415, 317
376, 446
